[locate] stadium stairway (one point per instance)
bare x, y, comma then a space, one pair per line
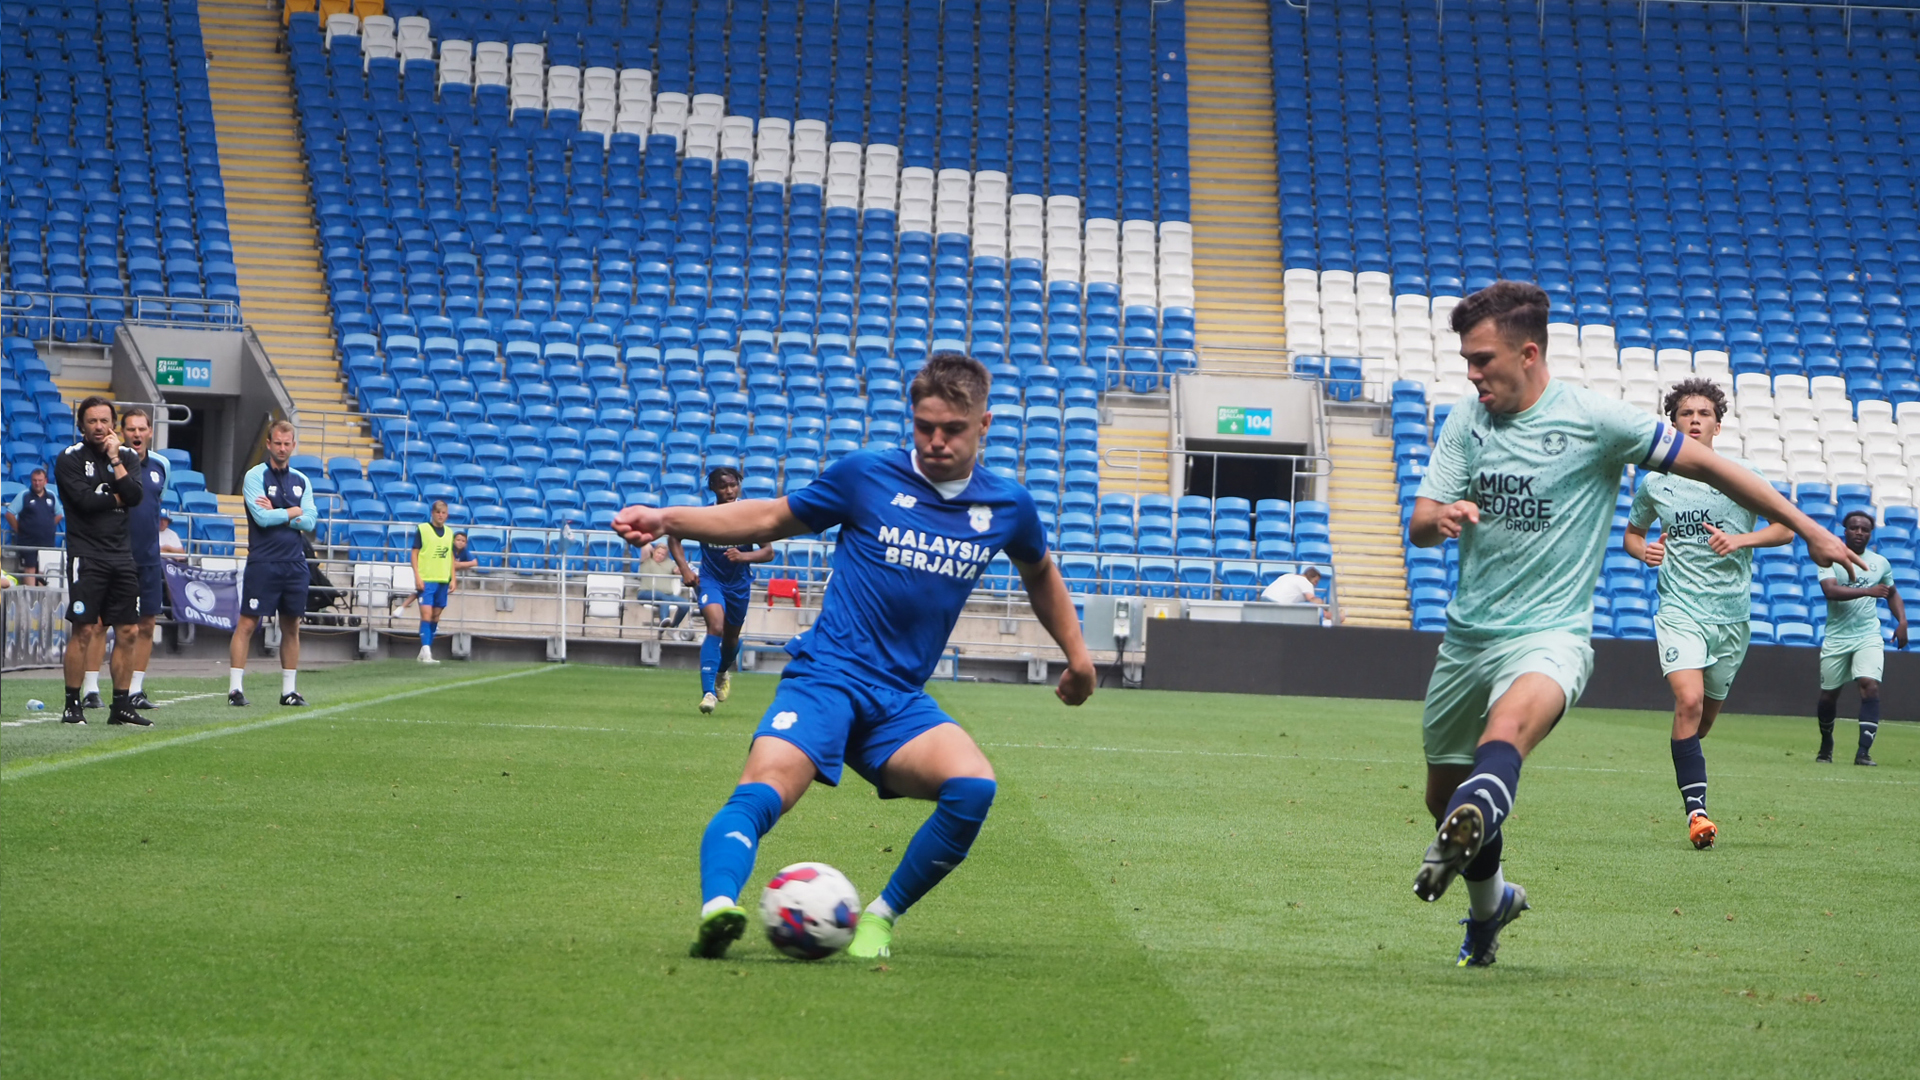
276, 251
1236, 222
1369, 565
1143, 425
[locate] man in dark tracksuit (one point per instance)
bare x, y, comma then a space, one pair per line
143, 531
97, 484
34, 515
279, 508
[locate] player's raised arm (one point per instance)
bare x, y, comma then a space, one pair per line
1047, 592
1744, 486
746, 521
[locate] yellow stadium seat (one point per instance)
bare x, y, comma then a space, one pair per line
365, 8
334, 7
291, 6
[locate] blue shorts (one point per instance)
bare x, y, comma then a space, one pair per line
275, 586
837, 720
733, 596
433, 594
153, 590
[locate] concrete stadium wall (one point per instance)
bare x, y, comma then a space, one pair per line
1356, 662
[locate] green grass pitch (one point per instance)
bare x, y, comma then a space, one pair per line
497, 878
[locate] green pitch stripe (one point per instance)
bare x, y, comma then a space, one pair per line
21, 772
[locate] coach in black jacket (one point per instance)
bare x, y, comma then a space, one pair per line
103, 588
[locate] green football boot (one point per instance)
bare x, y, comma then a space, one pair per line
717, 931
872, 938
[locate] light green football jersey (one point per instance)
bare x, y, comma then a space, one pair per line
1546, 481
1853, 623
1708, 588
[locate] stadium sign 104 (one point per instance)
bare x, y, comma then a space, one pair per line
1236, 420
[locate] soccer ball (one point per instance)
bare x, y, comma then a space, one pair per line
810, 910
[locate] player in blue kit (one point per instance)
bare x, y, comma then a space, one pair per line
724, 585
917, 529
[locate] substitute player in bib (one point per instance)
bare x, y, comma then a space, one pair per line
1524, 475
1853, 649
724, 585
1705, 558
917, 528
432, 574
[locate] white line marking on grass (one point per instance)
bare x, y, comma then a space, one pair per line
1408, 764
38, 767
185, 698
1084, 749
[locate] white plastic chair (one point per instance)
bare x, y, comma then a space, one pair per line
456, 62
736, 138
490, 67
342, 26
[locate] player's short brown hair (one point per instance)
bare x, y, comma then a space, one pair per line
132, 411
1851, 514
955, 378
1517, 308
279, 426
1695, 387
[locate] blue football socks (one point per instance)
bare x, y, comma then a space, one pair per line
426, 632
1869, 723
1495, 777
709, 662
733, 839
1690, 772
942, 842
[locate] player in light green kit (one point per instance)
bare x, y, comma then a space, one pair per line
1853, 648
1706, 573
1525, 475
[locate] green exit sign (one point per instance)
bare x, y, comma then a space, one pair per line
180, 371
1235, 420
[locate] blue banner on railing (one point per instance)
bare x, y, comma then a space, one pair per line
204, 597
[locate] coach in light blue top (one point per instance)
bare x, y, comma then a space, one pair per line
917, 529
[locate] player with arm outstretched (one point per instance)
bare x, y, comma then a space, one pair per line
724, 584
1705, 558
1852, 649
1524, 475
917, 529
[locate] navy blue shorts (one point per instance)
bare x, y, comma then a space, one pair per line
153, 590
734, 597
274, 587
836, 720
433, 594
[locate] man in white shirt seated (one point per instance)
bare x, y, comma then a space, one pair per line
171, 546
1295, 589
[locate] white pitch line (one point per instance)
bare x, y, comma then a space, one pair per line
1100, 749
37, 768
1408, 764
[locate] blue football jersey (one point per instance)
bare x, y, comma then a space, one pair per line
906, 561
720, 570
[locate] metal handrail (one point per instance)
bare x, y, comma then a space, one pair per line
222, 313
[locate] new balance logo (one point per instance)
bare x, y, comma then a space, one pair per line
905, 501
742, 837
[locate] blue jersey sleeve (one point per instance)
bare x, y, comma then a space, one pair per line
17, 503
830, 499
255, 487
1028, 544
